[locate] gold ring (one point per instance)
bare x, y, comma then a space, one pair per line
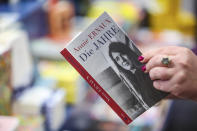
165, 61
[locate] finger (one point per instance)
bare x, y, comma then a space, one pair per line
156, 61
163, 85
169, 50
148, 55
161, 73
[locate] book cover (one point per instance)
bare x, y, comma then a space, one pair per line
108, 60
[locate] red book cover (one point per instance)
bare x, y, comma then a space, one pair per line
108, 60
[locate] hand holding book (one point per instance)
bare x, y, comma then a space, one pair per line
108, 61
179, 77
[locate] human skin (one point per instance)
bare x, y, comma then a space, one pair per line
179, 78
122, 60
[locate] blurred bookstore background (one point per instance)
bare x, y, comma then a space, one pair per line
40, 91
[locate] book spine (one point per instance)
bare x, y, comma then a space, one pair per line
93, 83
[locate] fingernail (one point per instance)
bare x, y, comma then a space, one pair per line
143, 68
140, 58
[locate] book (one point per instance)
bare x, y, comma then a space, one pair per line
108, 60
40, 107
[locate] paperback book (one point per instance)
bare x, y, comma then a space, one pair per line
108, 60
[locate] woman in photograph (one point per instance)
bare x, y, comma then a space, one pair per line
126, 61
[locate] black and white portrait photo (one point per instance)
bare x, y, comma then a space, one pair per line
129, 70
125, 79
